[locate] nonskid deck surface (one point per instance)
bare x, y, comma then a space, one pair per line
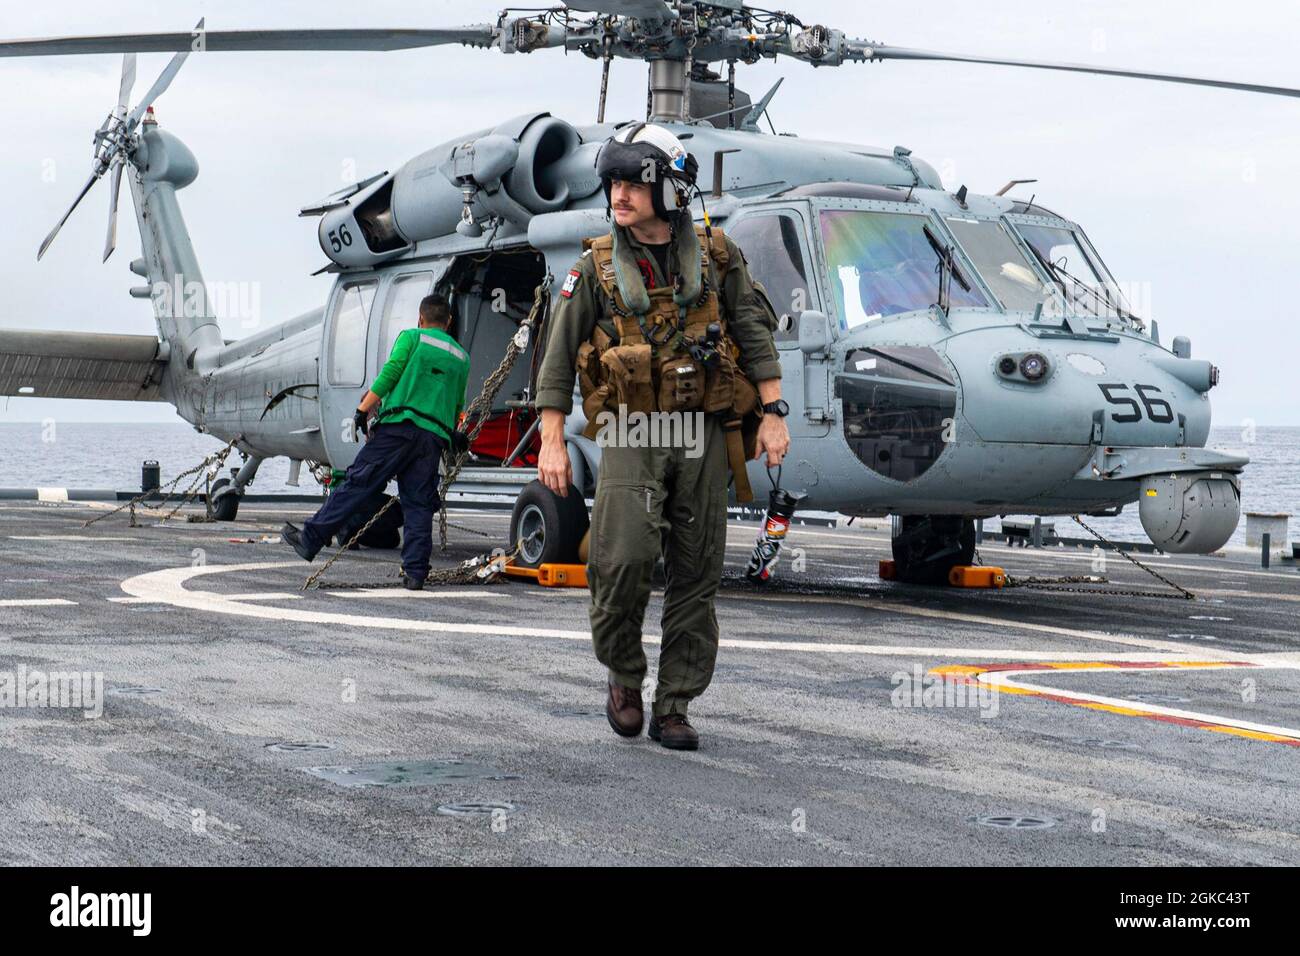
1089, 729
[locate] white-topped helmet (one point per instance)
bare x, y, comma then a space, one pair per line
648, 153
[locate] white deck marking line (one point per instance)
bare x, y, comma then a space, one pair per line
891, 607
403, 593
168, 586
66, 537
34, 602
997, 678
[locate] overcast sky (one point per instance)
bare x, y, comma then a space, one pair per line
1189, 193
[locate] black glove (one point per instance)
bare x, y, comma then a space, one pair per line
459, 441
361, 422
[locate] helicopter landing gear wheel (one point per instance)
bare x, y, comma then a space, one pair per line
227, 506
927, 547
547, 528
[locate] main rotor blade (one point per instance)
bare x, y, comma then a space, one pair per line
641, 9
867, 51
236, 41
55, 231
110, 242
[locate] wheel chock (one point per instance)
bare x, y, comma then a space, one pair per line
551, 575
972, 576
888, 571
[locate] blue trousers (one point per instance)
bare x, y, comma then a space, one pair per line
410, 454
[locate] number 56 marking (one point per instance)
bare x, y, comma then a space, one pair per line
1157, 409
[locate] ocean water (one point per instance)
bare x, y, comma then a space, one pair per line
86, 455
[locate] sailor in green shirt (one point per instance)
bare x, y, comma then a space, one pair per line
420, 393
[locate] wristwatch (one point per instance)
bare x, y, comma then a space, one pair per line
779, 407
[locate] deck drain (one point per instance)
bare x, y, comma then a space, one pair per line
408, 773
298, 746
1015, 823
1194, 637
476, 809
1159, 698
135, 691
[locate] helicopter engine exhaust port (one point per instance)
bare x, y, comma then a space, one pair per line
927, 547
1192, 512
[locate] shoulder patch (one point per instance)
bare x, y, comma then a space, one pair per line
570, 283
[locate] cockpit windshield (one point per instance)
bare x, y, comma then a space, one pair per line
881, 264
999, 260
1080, 280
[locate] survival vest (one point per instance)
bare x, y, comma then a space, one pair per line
650, 367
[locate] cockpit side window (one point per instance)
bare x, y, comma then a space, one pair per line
347, 351
1061, 254
772, 248
881, 264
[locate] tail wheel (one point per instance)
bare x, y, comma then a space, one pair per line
547, 528
927, 547
227, 506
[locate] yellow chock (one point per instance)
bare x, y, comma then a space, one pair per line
970, 576
551, 575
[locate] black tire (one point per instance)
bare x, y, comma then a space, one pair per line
927, 547
226, 507
551, 527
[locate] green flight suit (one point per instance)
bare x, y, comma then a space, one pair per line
653, 500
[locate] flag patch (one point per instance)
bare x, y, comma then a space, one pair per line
570, 283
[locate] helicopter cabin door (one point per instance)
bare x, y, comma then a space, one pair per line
775, 244
343, 365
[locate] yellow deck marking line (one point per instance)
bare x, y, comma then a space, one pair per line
1003, 681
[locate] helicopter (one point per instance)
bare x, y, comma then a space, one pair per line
947, 356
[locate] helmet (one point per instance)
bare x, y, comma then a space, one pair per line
647, 153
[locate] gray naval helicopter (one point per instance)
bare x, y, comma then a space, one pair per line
946, 356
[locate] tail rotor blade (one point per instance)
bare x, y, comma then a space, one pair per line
160, 85
110, 242
128, 81
55, 231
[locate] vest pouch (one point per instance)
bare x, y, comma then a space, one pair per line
720, 383
681, 385
627, 370
588, 367
745, 396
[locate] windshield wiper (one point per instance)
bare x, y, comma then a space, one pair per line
1059, 274
948, 268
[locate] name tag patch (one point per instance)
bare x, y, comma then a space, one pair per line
570, 283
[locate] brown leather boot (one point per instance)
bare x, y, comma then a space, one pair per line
624, 710
674, 731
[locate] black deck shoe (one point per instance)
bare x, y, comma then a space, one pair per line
293, 535
674, 731
412, 584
